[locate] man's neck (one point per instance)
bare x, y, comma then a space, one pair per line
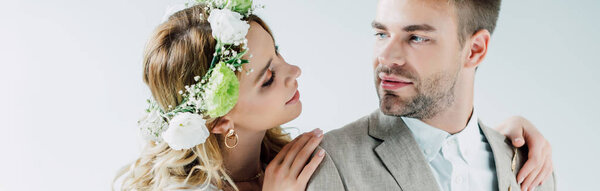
243, 161
451, 120
455, 117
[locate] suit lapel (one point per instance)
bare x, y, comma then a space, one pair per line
400, 153
503, 157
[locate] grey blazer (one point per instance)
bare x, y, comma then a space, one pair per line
378, 152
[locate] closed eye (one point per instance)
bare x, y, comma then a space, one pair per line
270, 81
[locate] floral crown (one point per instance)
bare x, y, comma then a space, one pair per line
215, 93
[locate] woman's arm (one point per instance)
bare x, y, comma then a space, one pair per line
539, 159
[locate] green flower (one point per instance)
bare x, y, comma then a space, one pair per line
221, 92
240, 6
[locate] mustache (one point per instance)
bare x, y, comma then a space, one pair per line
395, 70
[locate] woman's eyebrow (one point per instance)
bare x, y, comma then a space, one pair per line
264, 70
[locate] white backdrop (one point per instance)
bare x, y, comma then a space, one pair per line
71, 88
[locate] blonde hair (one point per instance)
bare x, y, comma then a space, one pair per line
180, 49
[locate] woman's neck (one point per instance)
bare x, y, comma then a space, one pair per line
243, 161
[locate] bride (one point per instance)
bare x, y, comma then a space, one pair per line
220, 92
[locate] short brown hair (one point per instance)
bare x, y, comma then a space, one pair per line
475, 15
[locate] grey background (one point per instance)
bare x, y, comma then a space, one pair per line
71, 87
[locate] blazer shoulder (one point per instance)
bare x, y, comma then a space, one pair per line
353, 129
350, 137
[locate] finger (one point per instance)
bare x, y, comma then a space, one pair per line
280, 156
531, 136
529, 179
545, 172
310, 168
548, 165
304, 154
517, 141
294, 149
527, 169
535, 159
514, 131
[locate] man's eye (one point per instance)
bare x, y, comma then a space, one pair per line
380, 35
418, 39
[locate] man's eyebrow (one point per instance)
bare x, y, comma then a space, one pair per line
378, 25
423, 27
264, 70
409, 28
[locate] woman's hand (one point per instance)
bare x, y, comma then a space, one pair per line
539, 159
289, 170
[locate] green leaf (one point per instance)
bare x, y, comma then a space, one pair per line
240, 6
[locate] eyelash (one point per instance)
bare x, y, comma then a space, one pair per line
270, 81
413, 37
379, 35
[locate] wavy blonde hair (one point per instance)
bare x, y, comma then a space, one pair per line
180, 49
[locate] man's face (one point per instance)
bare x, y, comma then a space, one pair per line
417, 57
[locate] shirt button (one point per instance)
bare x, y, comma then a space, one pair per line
459, 180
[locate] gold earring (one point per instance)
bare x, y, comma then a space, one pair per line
231, 135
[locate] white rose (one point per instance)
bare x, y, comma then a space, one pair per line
227, 26
185, 131
152, 125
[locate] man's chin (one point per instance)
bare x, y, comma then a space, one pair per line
393, 105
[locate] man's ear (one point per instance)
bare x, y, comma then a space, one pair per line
477, 48
223, 125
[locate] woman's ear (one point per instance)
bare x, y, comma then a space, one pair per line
223, 125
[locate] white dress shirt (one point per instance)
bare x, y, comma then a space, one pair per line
460, 162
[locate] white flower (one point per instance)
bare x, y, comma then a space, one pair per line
185, 131
227, 26
152, 125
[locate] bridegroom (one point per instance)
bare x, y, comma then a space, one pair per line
426, 134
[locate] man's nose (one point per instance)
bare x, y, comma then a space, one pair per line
390, 53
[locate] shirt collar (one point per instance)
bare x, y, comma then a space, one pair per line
431, 139
470, 138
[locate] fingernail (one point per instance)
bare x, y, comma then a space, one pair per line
518, 139
321, 152
521, 180
314, 130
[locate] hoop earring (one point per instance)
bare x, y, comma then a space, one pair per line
231, 135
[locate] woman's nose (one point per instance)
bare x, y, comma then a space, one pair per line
294, 73
297, 71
